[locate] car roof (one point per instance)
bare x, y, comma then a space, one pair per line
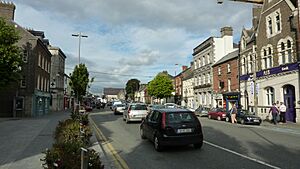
175, 110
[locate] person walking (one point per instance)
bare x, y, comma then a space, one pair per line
274, 110
233, 113
282, 110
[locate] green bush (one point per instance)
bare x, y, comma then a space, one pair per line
66, 151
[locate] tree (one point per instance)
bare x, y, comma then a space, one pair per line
79, 80
161, 86
132, 86
10, 55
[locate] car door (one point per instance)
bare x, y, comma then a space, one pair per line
153, 124
146, 124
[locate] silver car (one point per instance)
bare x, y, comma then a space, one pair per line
119, 108
135, 112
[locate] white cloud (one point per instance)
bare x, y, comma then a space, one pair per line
132, 37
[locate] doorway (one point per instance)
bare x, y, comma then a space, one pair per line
289, 101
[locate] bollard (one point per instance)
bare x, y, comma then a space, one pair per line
84, 158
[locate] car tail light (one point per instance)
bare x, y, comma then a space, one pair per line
129, 111
163, 121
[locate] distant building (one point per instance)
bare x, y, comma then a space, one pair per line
188, 88
68, 93
57, 78
113, 93
31, 96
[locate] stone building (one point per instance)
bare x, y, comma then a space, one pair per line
31, 96
273, 68
57, 78
226, 80
204, 56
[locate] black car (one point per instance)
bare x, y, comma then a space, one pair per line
171, 127
245, 117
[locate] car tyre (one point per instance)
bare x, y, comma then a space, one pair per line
198, 145
227, 119
209, 116
242, 121
157, 145
142, 133
219, 118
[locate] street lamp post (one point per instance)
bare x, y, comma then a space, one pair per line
79, 35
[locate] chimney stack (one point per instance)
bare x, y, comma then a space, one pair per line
7, 10
226, 31
184, 68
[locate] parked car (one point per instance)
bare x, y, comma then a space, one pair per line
217, 113
114, 103
135, 112
171, 127
119, 108
245, 117
202, 111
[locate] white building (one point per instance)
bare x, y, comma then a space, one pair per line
205, 55
188, 89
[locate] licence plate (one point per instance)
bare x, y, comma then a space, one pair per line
256, 120
188, 130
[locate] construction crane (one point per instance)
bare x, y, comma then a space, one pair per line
247, 1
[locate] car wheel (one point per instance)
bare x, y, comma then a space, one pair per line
242, 121
142, 133
227, 119
198, 145
157, 145
209, 116
219, 118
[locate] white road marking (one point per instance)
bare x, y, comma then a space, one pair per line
241, 155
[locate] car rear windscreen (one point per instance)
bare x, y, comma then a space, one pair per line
138, 107
180, 117
120, 105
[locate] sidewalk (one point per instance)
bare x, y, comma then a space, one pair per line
24, 139
289, 126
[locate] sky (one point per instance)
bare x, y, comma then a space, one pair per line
130, 38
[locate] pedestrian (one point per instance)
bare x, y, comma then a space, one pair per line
233, 112
282, 110
274, 110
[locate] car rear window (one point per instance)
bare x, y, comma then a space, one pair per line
138, 107
120, 105
180, 117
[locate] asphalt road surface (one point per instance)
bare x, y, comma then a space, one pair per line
226, 146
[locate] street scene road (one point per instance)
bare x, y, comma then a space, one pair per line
226, 145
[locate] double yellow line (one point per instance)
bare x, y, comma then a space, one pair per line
118, 160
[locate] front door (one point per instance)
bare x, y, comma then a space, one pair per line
289, 101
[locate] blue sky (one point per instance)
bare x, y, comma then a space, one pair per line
136, 38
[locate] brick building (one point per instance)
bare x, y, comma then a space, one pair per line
226, 80
31, 96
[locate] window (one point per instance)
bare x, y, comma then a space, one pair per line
203, 79
203, 60
25, 56
23, 82
207, 59
219, 70
277, 18
42, 84
243, 65
38, 82
199, 61
208, 78
250, 63
282, 53
289, 51
270, 29
267, 55
39, 59
270, 95
229, 85
228, 68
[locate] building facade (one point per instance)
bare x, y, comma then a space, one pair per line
275, 68
204, 56
57, 78
31, 96
226, 80
188, 88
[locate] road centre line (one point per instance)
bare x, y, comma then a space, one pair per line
241, 155
119, 161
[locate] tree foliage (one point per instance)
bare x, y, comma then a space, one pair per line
132, 86
10, 55
161, 86
79, 80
